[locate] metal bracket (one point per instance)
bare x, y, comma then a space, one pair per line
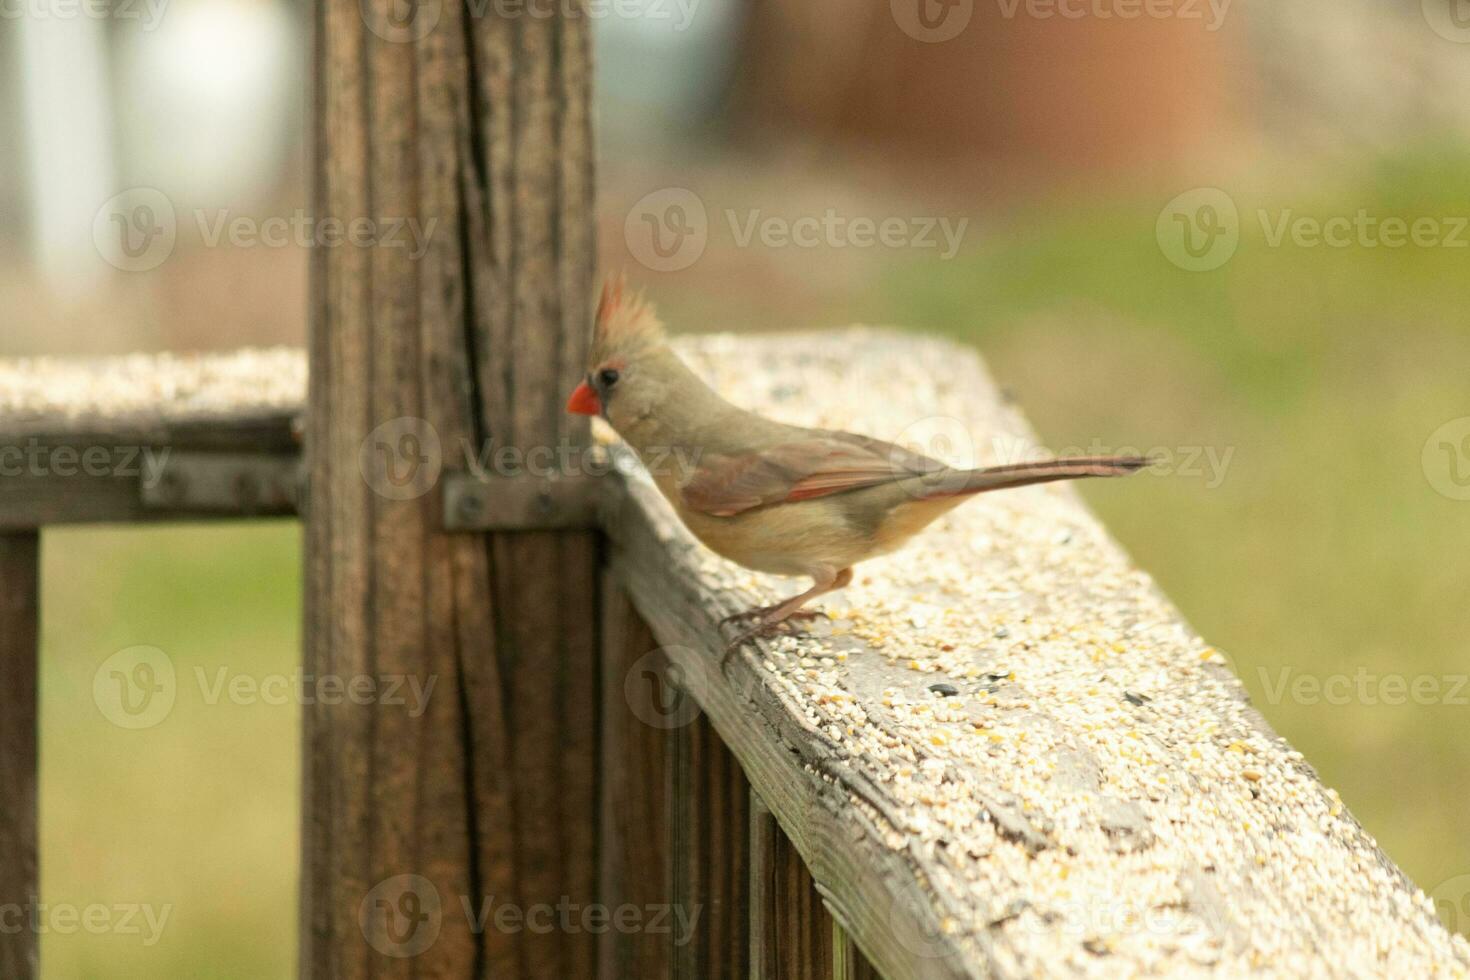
517, 503
225, 483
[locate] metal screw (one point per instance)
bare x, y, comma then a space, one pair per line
469, 507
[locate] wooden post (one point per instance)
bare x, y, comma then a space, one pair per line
762, 832
462, 133
636, 852
19, 582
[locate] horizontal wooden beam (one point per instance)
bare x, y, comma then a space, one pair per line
165, 445
112, 440
1005, 753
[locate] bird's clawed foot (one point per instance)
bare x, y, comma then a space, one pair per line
754, 612
768, 623
762, 612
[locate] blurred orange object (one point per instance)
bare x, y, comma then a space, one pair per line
1075, 84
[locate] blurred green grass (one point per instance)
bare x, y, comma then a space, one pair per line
1325, 549
196, 816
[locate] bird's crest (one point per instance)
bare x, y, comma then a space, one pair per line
626, 322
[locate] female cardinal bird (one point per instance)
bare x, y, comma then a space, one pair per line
776, 498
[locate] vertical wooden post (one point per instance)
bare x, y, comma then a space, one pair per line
637, 856
674, 843
459, 138
762, 833
19, 604
792, 933
710, 849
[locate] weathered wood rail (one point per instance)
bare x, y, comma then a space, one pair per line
1004, 754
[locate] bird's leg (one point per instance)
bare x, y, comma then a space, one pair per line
770, 619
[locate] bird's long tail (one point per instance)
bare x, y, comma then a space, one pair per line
955, 483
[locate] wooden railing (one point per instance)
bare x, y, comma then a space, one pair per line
1003, 754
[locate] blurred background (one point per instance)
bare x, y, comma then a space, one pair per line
1234, 233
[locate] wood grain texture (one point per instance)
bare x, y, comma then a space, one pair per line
761, 834
476, 126
1088, 789
803, 930
636, 856
81, 439
711, 881
674, 843
848, 962
19, 881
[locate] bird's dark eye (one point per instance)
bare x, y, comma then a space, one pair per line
608, 377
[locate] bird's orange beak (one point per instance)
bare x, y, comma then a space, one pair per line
584, 401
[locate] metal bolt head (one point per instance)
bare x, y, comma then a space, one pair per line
469, 507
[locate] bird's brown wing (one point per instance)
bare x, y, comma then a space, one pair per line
817, 465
